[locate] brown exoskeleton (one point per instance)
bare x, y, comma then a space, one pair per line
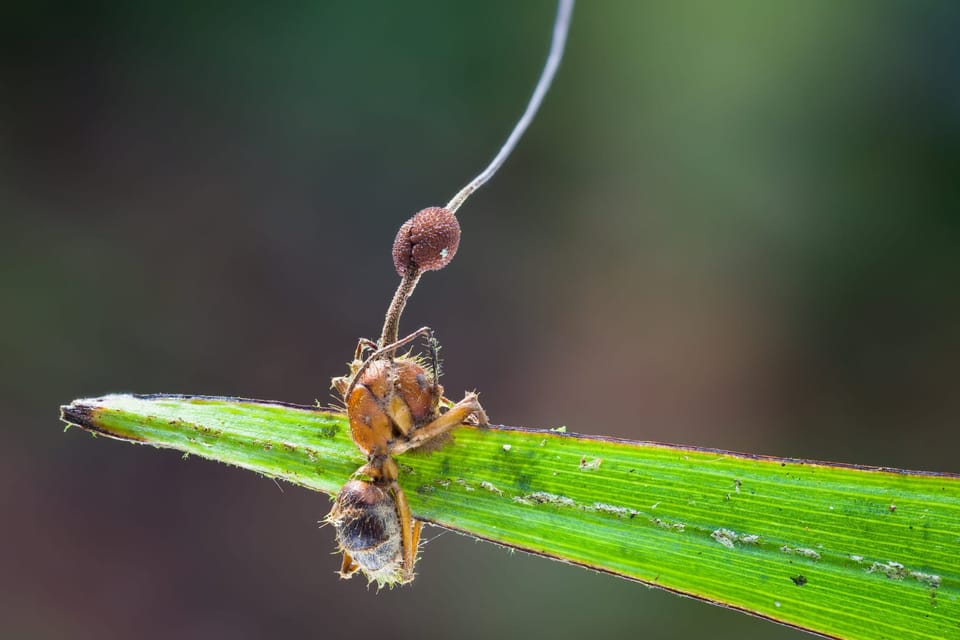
395, 403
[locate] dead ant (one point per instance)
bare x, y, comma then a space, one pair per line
394, 405
395, 402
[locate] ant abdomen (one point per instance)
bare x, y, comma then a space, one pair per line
368, 529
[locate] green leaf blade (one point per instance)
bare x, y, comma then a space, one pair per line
843, 551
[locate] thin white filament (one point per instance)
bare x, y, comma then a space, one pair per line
560, 28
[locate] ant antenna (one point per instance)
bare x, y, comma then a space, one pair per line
429, 240
390, 348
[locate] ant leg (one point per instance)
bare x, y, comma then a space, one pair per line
469, 406
363, 345
342, 383
390, 348
417, 527
478, 418
414, 546
422, 331
349, 567
409, 532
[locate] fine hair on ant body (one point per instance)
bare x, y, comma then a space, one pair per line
395, 403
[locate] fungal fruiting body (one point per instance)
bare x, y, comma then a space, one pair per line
394, 402
427, 241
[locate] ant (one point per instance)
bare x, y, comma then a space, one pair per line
395, 403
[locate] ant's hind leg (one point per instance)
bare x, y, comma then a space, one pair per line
457, 415
409, 532
417, 527
349, 567
478, 417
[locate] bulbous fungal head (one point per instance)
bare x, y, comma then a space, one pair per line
427, 241
368, 529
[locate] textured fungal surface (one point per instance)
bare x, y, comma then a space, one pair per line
427, 241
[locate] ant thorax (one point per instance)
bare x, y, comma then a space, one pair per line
390, 399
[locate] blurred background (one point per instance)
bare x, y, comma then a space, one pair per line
740, 218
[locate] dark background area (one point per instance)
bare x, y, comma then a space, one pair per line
733, 225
